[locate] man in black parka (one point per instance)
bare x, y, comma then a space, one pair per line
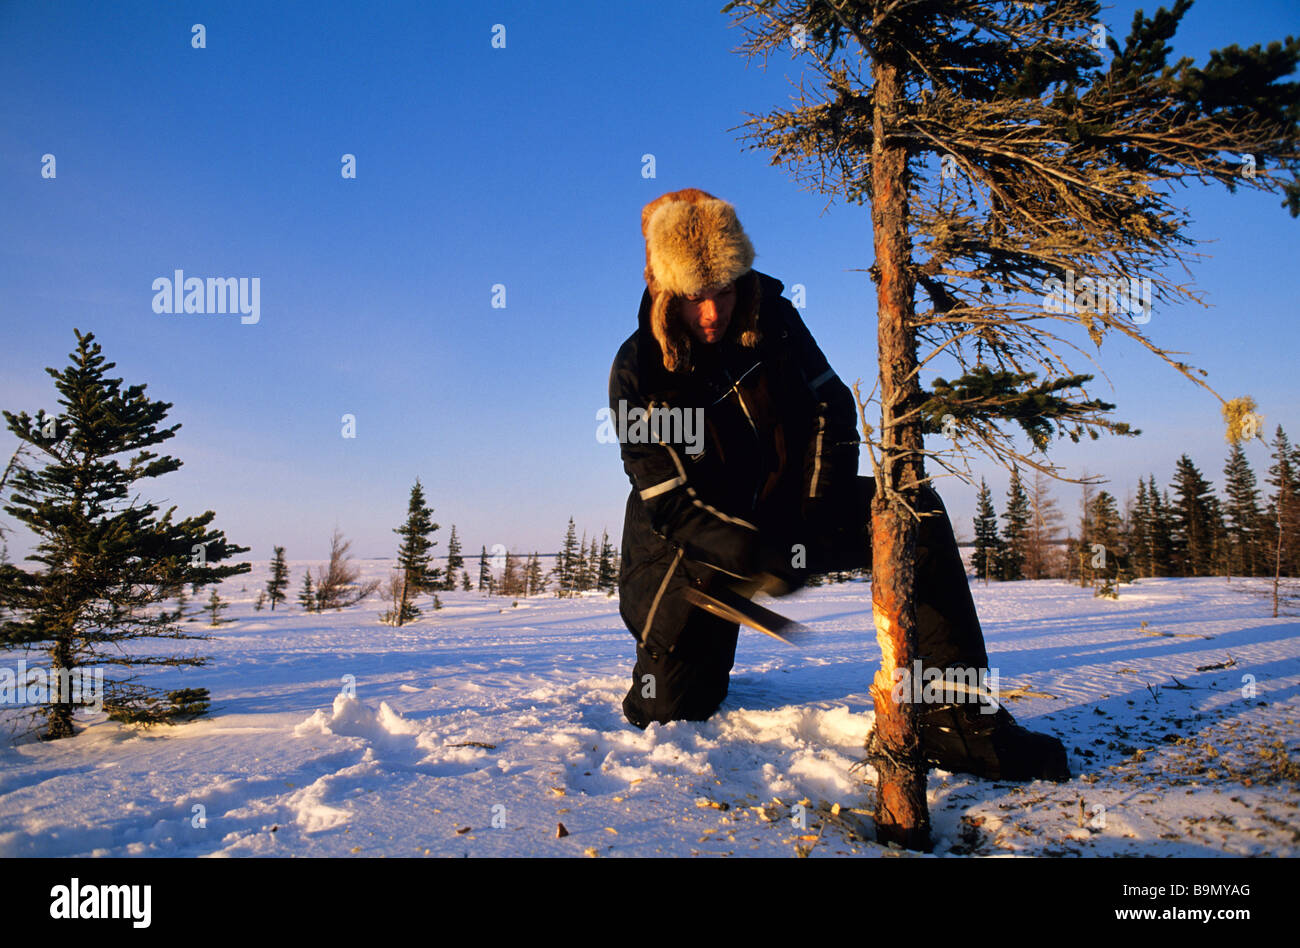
741, 444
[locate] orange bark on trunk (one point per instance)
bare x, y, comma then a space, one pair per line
902, 815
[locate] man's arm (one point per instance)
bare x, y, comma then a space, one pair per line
659, 474
831, 460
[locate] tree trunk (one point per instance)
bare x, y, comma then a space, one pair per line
902, 815
404, 607
59, 714
1277, 560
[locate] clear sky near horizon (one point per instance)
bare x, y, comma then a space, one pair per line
478, 166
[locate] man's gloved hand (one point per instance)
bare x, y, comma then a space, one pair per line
775, 571
821, 520
836, 529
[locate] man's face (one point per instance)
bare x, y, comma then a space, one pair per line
708, 314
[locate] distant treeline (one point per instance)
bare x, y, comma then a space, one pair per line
1186, 529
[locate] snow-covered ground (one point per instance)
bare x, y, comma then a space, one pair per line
480, 728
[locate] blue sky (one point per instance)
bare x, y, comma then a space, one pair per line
475, 166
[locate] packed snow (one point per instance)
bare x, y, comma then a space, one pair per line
493, 727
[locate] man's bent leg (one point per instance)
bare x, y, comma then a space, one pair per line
948, 626
688, 683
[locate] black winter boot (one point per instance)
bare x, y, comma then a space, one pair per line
958, 738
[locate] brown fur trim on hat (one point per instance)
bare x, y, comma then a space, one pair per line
690, 195
695, 247
694, 244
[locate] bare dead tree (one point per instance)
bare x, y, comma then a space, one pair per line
338, 584
1042, 554
396, 594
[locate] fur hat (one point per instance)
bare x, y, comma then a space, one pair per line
693, 243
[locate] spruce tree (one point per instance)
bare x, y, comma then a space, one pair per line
543, 576
307, 596
998, 148
415, 555
216, 605
1243, 519
484, 574
1015, 533
567, 563
988, 546
1139, 532
526, 574
1192, 523
511, 579
1106, 561
1126, 539
1161, 530
580, 566
1284, 507
607, 574
455, 561
106, 556
1081, 552
1218, 534
1284, 514
4, 531
535, 581
279, 580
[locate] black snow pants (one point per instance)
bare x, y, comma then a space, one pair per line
690, 682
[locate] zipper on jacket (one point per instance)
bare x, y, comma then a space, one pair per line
735, 387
